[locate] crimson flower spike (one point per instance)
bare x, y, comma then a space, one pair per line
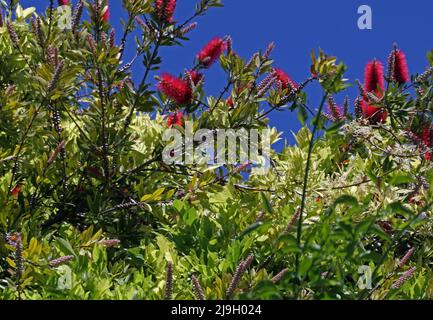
175, 119
285, 80
374, 79
64, 2
211, 52
165, 10
401, 71
176, 89
106, 13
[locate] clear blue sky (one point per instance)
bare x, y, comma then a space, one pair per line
297, 27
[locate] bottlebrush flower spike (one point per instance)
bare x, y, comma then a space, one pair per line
424, 142
266, 83
404, 277
374, 80
401, 71
240, 270
230, 102
335, 112
279, 275
211, 52
197, 288
176, 89
374, 114
285, 80
12, 34
16, 191
106, 13
77, 16
64, 2
165, 10
189, 28
175, 119
169, 281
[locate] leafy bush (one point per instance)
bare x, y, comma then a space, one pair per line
90, 211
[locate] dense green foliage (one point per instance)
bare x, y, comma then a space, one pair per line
80, 167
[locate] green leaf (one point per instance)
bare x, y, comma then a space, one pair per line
65, 246
266, 204
347, 200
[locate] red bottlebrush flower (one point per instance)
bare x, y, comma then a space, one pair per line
211, 52
285, 80
16, 191
175, 119
374, 114
427, 141
196, 77
64, 2
424, 141
374, 79
401, 71
239, 90
165, 9
106, 13
176, 89
426, 136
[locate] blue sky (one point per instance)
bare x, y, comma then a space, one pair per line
297, 27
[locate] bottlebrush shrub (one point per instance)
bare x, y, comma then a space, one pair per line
88, 209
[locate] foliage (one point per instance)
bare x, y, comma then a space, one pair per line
82, 177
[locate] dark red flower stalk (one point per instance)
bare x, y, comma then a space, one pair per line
424, 141
64, 2
285, 80
401, 71
374, 80
165, 9
175, 119
211, 52
106, 13
374, 114
176, 89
